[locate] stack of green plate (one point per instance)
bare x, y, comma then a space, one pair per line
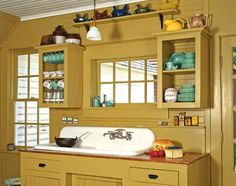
189, 61
186, 93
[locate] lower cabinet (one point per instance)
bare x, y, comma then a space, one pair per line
31, 180
83, 180
141, 177
51, 169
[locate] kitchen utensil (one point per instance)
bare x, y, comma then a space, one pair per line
66, 142
69, 142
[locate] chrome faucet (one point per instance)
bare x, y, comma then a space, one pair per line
119, 134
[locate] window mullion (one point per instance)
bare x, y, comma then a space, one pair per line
129, 81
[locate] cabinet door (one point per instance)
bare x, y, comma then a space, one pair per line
229, 109
41, 181
81, 180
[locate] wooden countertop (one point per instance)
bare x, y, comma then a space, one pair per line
188, 158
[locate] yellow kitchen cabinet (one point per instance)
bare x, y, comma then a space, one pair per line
153, 176
194, 41
83, 180
41, 181
37, 171
60, 75
74, 169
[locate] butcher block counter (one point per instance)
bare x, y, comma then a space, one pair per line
57, 168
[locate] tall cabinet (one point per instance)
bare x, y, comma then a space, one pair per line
60, 75
195, 41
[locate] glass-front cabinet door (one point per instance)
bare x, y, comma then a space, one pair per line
228, 75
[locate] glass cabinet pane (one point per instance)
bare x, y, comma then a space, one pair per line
22, 88
34, 87
122, 71
137, 70
122, 94
19, 112
32, 111
152, 69
19, 135
137, 93
31, 135
106, 72
34, 64
43, 134
22, 65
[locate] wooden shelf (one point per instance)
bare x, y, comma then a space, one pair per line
129, 17
57, 77
179, 71
179, 105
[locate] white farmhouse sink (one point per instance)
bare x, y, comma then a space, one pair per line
130, 141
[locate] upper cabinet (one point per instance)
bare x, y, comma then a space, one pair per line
60, 75
183, 66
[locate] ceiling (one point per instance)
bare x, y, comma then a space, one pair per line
32, 9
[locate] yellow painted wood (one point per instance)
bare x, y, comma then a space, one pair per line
162, 176
41, 181
228, 100
93, 171
9, 165
8, 24
73, 74
83, 180
194, 40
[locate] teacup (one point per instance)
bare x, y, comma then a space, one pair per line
59, 73
53, 74
46, 84
46, 74
53, 84
170, 66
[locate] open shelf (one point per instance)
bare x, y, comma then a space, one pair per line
179, 71
129, 17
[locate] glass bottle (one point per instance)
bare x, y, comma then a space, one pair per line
104, 100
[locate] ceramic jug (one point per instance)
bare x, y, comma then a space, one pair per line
198, 21
176, 24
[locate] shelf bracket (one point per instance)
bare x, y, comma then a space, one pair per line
87, 27
161, 17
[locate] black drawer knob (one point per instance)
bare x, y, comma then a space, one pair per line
152, 176
42, 165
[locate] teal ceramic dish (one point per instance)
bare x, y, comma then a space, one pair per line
187, 66
186, 90
177, 58
190, 55
188, 86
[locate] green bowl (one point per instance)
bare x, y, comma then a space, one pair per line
187, 90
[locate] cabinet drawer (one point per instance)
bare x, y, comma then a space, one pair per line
164, 177
42, 165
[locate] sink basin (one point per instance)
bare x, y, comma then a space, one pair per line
105, 140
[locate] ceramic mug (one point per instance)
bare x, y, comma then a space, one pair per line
170, 66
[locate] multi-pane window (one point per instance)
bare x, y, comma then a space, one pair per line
31, 123
129, 81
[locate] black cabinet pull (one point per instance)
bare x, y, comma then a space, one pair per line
152, 176
42, 165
